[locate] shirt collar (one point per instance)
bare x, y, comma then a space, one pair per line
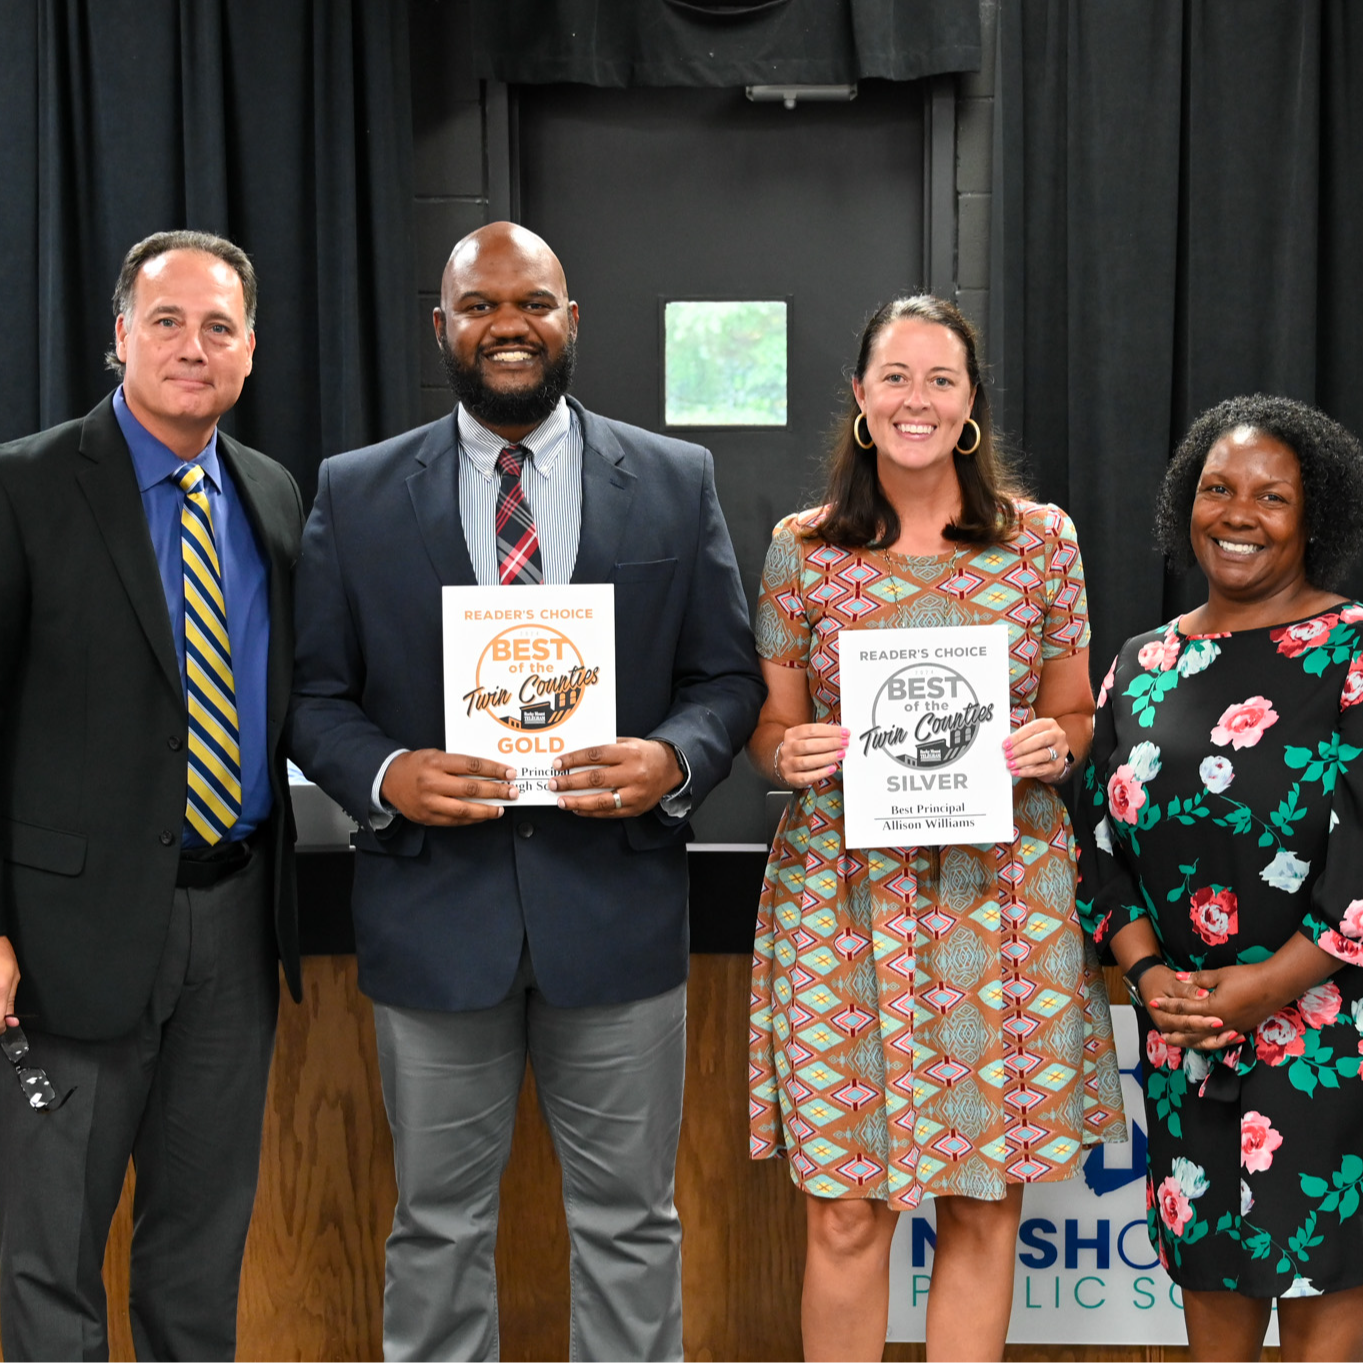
546, 442
154, 462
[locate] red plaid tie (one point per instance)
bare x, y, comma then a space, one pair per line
518, 543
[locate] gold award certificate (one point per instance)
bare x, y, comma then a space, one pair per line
928, 711
529, 675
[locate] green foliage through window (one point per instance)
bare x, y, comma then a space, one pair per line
725, 363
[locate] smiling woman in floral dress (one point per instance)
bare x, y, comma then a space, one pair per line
1222, 868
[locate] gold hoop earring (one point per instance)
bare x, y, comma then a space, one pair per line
970, 421
868, 443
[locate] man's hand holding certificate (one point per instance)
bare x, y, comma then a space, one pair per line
619, 779
445, 788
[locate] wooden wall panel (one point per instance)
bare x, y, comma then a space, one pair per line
312, 1284
743, 1222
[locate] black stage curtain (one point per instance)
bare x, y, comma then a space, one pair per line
284, 125
1178, 197
723, 42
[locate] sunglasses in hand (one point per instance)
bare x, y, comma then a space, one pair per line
39, 1091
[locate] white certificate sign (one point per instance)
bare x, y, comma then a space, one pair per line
529, 674
928, 711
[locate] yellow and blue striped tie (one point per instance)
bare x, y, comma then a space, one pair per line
213, 801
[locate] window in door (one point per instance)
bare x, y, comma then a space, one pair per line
724, 362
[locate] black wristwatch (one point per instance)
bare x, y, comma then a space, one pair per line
1131, 977
683, 766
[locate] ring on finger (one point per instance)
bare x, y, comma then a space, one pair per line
619, 803
1055, 756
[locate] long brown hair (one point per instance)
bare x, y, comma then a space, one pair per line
858, 514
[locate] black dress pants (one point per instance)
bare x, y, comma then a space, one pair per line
184, 1095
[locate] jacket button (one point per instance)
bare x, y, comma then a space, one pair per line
525, 830
167, 837
174, 743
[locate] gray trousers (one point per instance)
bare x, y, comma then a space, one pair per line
184, 1095
610, 1086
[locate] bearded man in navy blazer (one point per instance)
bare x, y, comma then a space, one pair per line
487, 933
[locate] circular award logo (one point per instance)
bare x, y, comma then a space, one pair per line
530, 678
927, 715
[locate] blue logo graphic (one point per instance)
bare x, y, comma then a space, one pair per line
1101, 1179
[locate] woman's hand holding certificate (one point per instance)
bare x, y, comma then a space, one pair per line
809, 752
1039, 748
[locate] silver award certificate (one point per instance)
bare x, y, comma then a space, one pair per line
928, 710
529, 675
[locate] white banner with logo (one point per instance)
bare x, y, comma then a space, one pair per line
928, 711
1085, 1271
529, 674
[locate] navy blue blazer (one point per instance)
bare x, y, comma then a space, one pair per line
441, 913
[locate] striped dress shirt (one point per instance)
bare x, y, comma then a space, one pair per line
551, 479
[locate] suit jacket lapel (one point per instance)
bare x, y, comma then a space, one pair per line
607, 493
434, 490
110, 487
263, 509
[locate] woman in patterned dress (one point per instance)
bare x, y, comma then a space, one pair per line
924, 1020
1223, 870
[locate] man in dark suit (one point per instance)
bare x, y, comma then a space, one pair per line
146, 880
487, 932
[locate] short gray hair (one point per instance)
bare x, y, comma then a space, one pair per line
158, 244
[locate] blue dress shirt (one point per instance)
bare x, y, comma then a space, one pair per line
245, 585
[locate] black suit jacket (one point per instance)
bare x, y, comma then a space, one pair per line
440, 913
93, 726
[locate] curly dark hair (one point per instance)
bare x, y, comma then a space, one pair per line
1331, 462
857, 513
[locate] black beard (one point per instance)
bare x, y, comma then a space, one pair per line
527, 407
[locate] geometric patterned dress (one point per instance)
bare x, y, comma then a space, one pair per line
926, 1020
1224, 804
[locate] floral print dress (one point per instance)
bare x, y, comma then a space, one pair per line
924, 1019
1222, 801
